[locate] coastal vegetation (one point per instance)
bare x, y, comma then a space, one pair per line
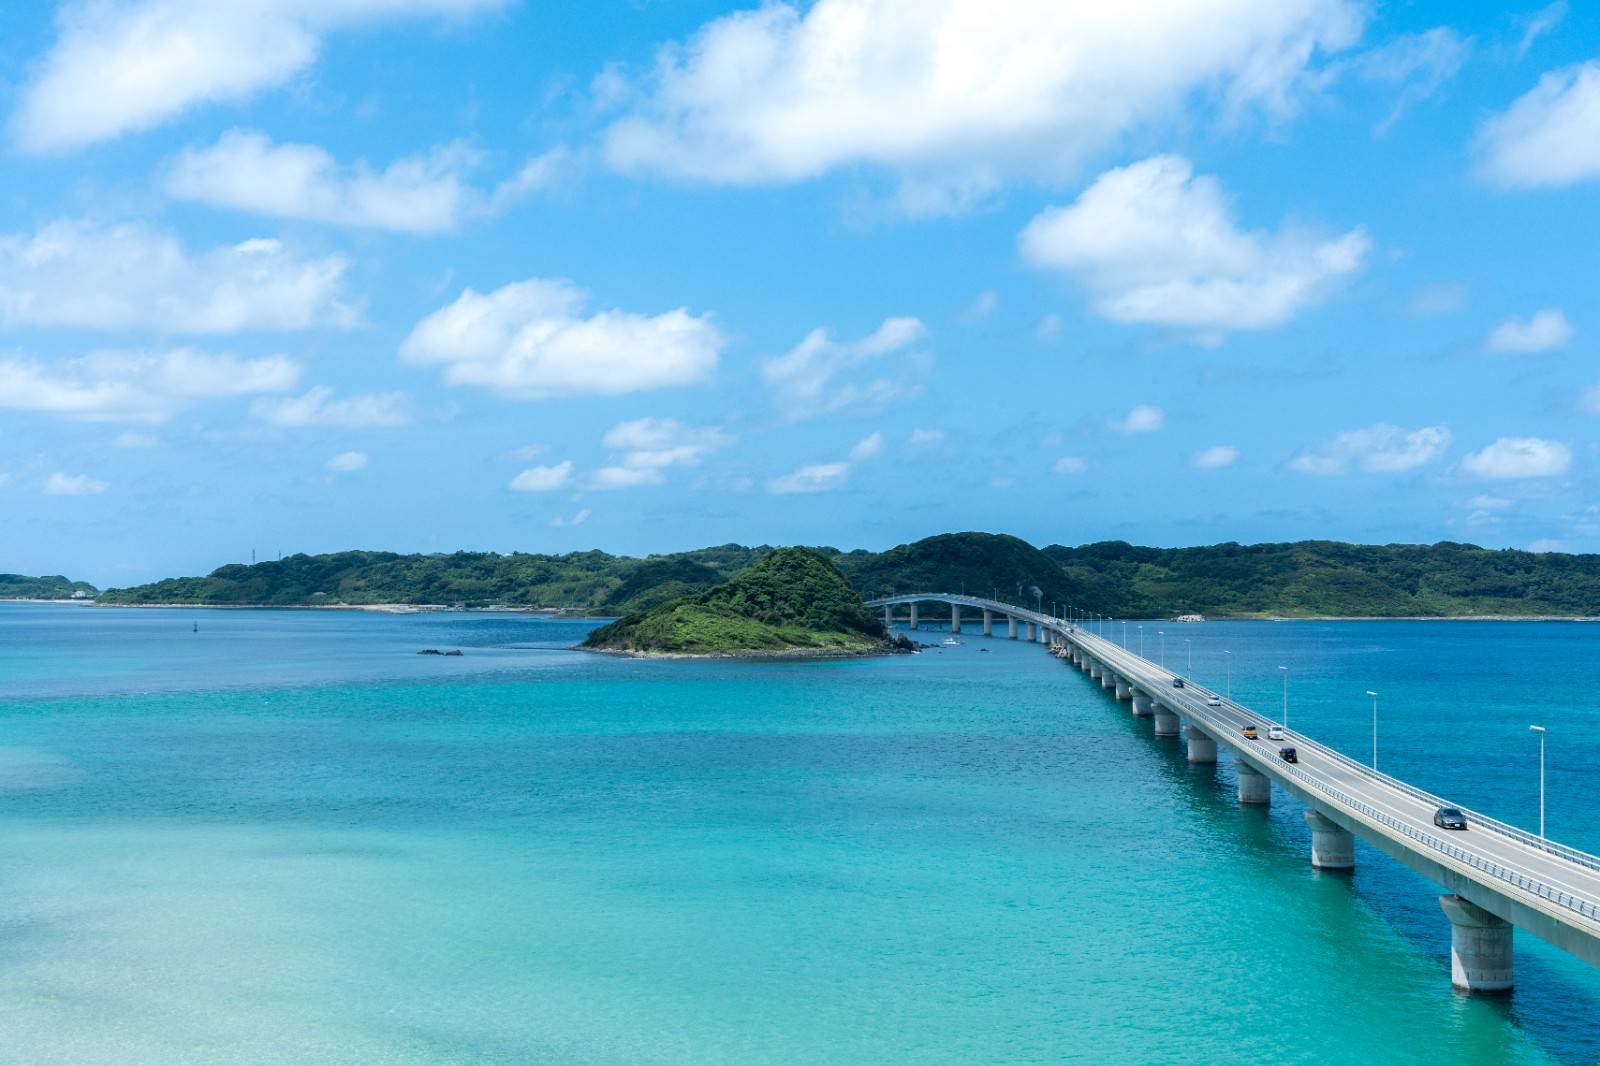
793, 601
56, 587
1291, 580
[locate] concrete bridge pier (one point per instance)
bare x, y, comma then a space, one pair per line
1333, 847
1166, 721
888, 617
955, 619
1124, 690
1011, 627
913, 616
1108, 680
1142, 705
1202, 748
988, 623
1480, 947
1044, 635
1255, 788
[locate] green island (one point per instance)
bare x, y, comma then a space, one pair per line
1304, 579
793, 601
56, 587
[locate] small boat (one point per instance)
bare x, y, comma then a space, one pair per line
951, 642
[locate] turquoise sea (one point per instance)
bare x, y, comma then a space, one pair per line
287, 838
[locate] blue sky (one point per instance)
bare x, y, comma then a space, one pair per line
435, 274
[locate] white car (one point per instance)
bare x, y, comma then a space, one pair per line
1275, 733
1213, 701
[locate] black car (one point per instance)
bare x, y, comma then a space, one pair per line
1177, 682
1449, 818
1288, 755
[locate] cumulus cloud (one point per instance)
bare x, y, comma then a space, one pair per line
420, 194
1215, 457
348, 462
1541, 332
565, 522
1519, 457
814, 477
955, 96
869, 447
115, 386
1379, 449
530, 340
650, 446
132, 276
804, 382
1070, 464
1549, 137
543, 478
317, 407
60, 484
1542, 22
1156, 245
119, 66
1141, 419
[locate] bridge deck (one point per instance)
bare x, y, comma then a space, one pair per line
1550, 889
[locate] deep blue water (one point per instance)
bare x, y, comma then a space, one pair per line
289, 839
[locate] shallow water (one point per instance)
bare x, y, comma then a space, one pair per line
288, 838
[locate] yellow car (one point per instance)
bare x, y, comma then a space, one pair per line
1250, 732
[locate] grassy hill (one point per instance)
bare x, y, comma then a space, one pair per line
982, 564
793, 600
56, 587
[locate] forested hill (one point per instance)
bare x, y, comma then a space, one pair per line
1301, 579
56, 587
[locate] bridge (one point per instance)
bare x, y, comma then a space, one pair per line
1497, 876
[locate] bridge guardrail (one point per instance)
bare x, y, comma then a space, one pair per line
1586, 907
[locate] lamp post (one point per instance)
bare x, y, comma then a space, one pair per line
1162, 633
1540, 730
1124, 636
1188, 649
1141, 642
1285, 670
1229, 660
1374, 696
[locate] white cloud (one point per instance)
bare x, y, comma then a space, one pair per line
79, 274
348, 462
1049, 327
529, 340
1379, 449
527, 452
562, 522
60, 484
1070, 464
317, 407
802, 380
420, 194
1486, 502
1141, 419
1542, 22
1156, 245
543, 478
648, 446
815, 477
117, 67
923, 438
1549, 137
132, 439
1440, 298
1215, 457
1519, 457
956, 96
1545, 545
869, 447
981, 307
1545, 330
1413, 65
1589, 402
113, 386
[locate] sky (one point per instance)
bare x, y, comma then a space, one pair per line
639, 275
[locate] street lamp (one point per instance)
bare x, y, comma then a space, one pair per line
1374, 696
1141, 642
1540, 730
1285, 670
1124, 636
1229, 661
1162, 633
1188, 648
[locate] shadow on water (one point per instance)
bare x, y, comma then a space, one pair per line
1401, 900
